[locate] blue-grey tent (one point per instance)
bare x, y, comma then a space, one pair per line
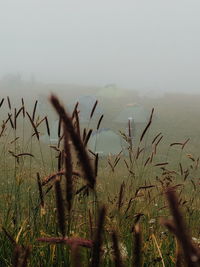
106, 142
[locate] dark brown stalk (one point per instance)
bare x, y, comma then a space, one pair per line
117, 256
84, 134
137, 261
121, 195
87, 138
23, 107
15, 119
33, 125
156, 144
161, 164
59, 127
60, 208
148, 125
77, 123
184, 144
176, 144
25, 154
192, 258
9, 104
18, 112
68, 170
139, 151
37, 124
10, 120
116, 161
47, 126
93, 109
75, 110
98, 240
34, 111
147, 161
181, 168
156, 138
96, 164
53, 176
13, 141
1, 103
40, 189
99, 122
78, 144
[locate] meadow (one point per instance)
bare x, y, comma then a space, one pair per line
64, 205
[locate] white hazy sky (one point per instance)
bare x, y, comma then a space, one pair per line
135, 44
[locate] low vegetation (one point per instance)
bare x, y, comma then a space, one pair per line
64, 205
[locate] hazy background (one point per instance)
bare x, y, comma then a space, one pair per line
144, 44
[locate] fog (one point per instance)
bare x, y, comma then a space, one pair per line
141, 45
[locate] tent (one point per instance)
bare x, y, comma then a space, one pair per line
106, 142
53, 138
133, 112
86, 104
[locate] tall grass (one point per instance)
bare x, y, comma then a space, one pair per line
64, 205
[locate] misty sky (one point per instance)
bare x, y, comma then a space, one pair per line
135, 44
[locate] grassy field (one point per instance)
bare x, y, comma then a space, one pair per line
62, 205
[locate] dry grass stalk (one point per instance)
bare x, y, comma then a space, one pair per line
59, 127
9, 103
47, 126
184, 144
117, 255
148, 125
60, 208
75, 110
34, 110
68, 170
191, 254
53, 176
139, 151
10, 120
78, 144
93, 109
1, 103
18, 112
96, 164
40, 190
15, 118
156, 137
98, 239
14, 140
87, 137
121, 195
99, 122
33, 125
181, 168
137, 260
77, 123
23, 107
161, 164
